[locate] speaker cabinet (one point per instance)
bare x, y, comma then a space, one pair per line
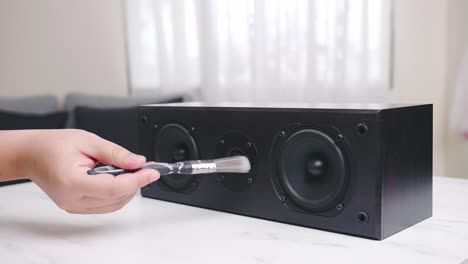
362, 170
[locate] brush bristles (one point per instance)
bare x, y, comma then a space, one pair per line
236, 164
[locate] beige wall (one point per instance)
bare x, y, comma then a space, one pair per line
420, 62
59, 46
457, 148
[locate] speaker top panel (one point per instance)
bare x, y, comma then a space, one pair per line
284, 106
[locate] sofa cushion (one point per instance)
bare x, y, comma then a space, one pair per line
31, 104
72, 101
118, 125
13, 121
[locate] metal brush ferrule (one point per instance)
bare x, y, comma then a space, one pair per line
201, 167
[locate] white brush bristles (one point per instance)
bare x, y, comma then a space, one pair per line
236, 164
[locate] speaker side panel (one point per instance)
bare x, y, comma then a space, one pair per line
360, 210
407, 167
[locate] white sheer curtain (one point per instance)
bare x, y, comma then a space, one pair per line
459, 111
261, 50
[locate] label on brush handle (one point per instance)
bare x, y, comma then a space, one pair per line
200, 167
182, 168
170, 168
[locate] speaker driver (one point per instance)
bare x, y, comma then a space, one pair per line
173, 143
312, 169
236, 144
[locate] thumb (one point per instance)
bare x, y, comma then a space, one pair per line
110, 153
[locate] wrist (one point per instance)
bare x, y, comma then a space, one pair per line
16, 153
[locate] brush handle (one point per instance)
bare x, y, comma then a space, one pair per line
162, 168
184, 167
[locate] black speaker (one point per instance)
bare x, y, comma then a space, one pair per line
362, 170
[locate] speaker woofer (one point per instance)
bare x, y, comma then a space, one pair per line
312, 169
173, 143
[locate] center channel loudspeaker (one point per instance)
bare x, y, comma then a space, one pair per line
364, 171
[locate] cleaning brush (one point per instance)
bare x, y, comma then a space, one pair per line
235, 164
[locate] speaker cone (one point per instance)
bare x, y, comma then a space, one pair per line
312, 169
173, 143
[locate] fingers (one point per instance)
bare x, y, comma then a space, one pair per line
107, 186
86, 162
111, 153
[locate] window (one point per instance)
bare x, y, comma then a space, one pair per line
260, 50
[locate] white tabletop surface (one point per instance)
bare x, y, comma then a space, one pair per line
34, 230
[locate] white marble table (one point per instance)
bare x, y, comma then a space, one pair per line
34, 230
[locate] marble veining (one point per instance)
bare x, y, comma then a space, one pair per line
34, 230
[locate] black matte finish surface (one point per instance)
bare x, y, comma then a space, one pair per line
390, 163
116, 125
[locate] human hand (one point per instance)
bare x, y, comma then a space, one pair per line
58, 161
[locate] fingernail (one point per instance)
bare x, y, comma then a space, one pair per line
136, 158
154, 176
